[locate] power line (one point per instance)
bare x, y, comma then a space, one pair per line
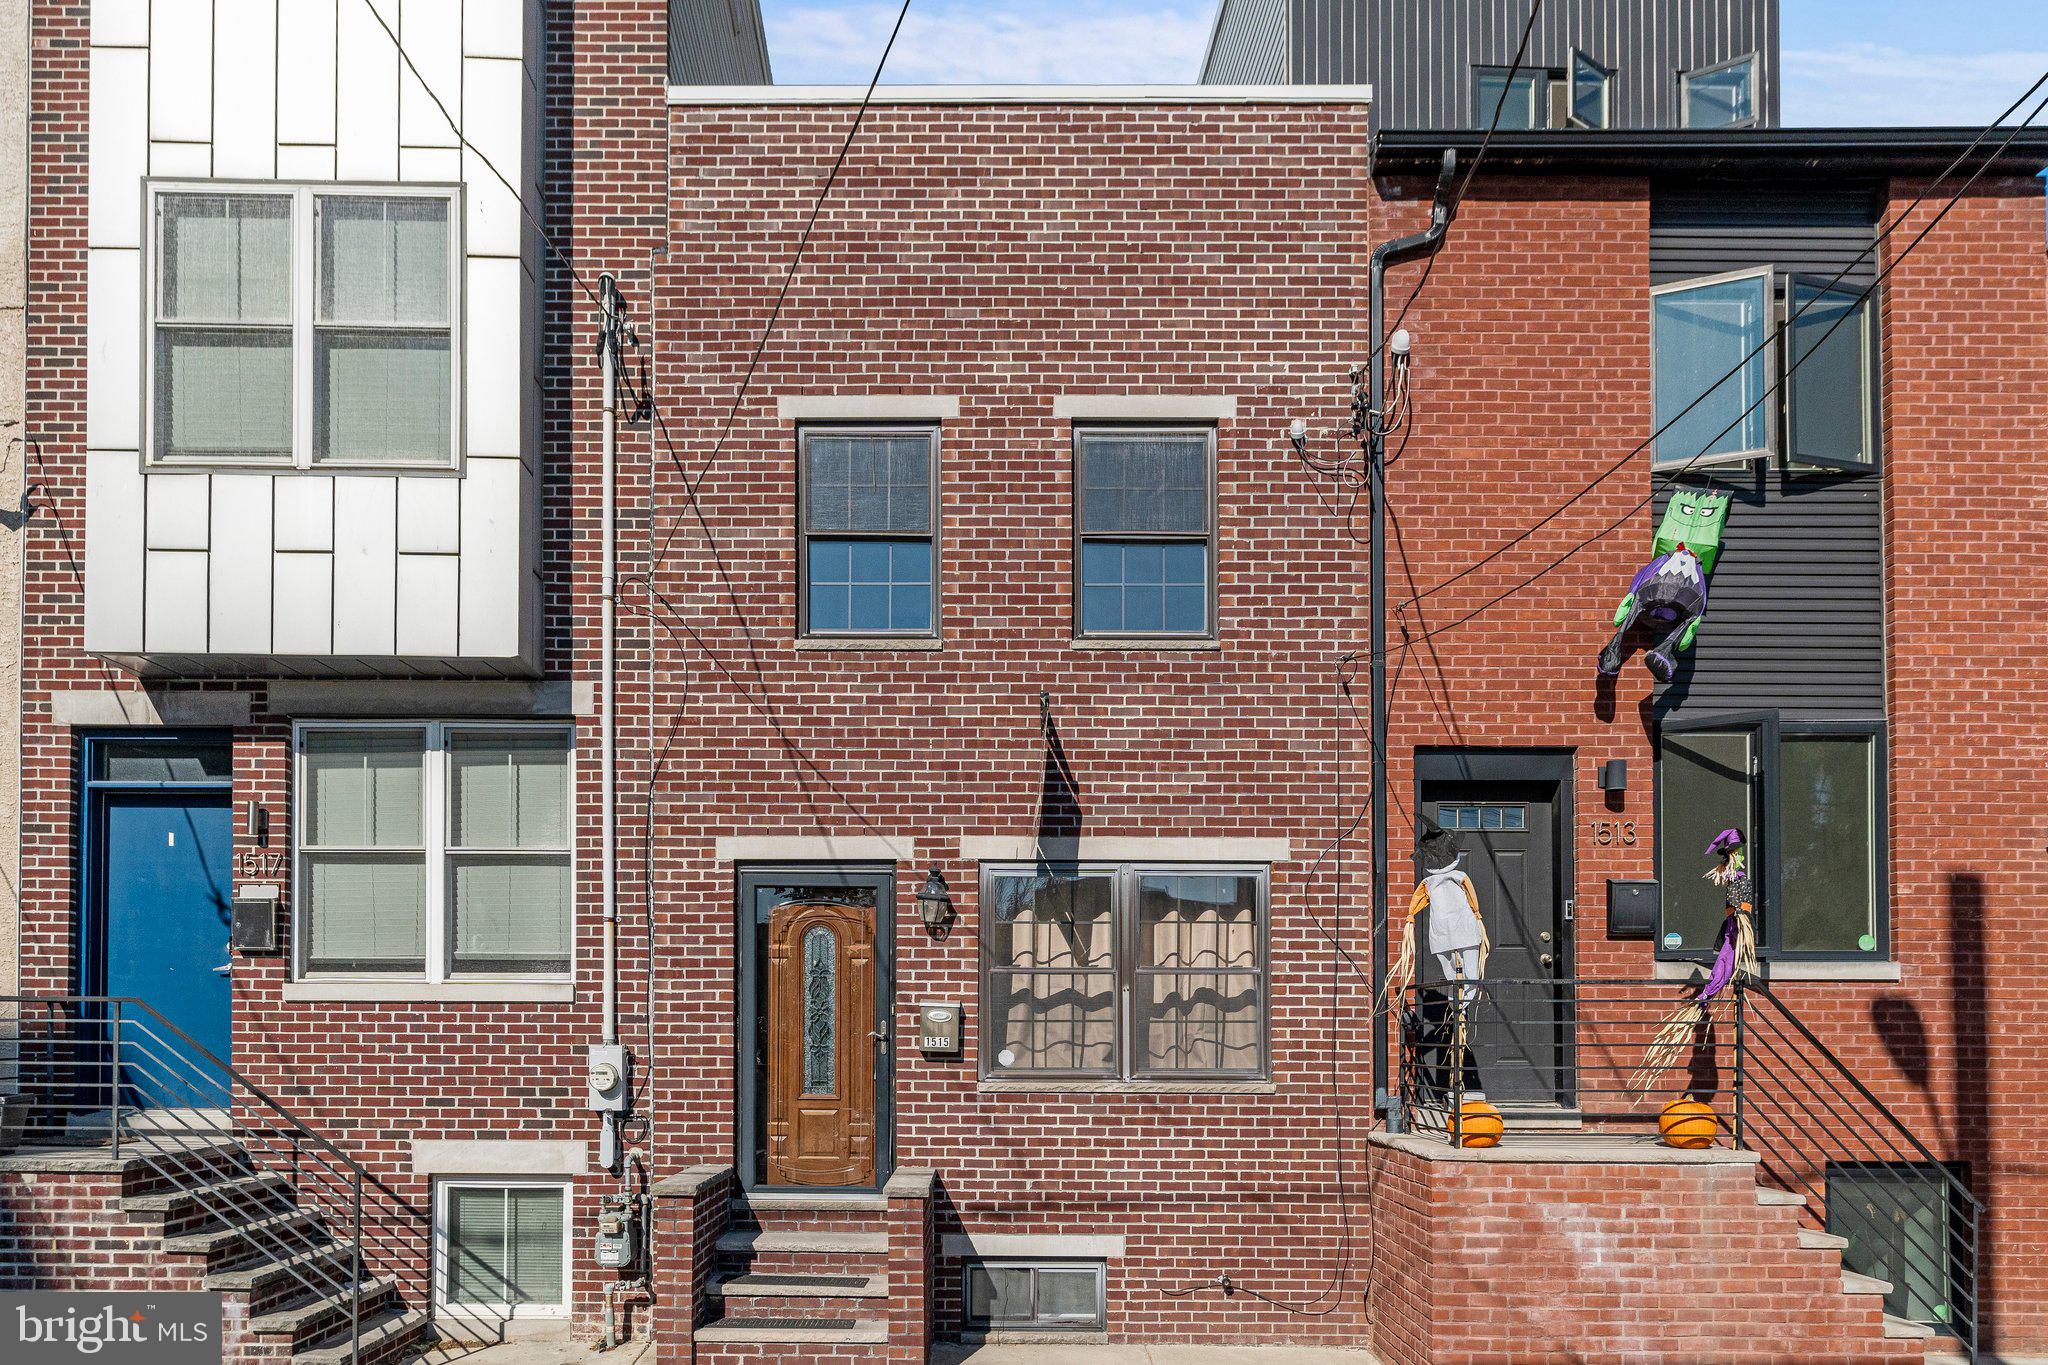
1776, 335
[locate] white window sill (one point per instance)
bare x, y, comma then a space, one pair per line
431, 992
1143, 643
1795, 971
869, 642
1029, 1085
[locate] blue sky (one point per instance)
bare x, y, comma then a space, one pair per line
1846, 61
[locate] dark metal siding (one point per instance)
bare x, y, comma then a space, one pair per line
716, 42
1795, 613
1249, 44
1418, 55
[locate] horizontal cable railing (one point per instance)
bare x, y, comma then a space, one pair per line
112, 1072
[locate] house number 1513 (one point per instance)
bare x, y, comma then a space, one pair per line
1614, 831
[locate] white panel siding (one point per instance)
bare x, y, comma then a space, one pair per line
239, 592
433, 39
493, 118
113, 562
492, 569
186, 160
174, 602
113, 349
123, 23
438, 165
493, 373
429, 516
245, 94
305, 62
181, 84
119, 145
302, 615
305, 512
427, 589
492, 28
366, 143
305, 163
365, 563
178, 516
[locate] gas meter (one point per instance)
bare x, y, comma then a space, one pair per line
618, 1231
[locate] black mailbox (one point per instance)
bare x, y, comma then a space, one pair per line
255, 925
1632, 908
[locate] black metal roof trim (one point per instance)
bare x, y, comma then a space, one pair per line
1736, 150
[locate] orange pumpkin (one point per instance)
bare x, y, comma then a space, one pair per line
1688, 1124
1479, 1124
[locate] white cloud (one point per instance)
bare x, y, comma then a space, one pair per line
1000, 42
1867, 84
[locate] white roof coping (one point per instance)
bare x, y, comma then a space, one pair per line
1022, 94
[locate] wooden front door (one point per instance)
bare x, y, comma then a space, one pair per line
821, 1044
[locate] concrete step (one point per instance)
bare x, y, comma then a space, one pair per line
275, 1233
316, 1317
1898, 1329
1852, 1283
276, 1278
748, 1241
794, 1331
263, 1190
809, 1202
1771, 1198
771, 1285
393, 1334
1822, 1241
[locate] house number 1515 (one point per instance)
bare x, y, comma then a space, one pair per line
1614, 831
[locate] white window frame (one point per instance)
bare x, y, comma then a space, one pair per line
305, 291
443, 1307
1770, 402
1686, 78
438, 908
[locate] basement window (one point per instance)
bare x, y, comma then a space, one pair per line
501, 1249
1050, 1296
1908, 1223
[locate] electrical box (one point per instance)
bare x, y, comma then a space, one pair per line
608, 1078
618, 1232
938, 1028
254, 926
1633, 908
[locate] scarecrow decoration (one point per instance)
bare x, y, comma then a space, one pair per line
1458, 938
1670, 592
1734, 952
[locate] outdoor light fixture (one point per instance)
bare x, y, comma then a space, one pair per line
1614, 775
934, 905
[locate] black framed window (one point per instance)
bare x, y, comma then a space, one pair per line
868, 564
1908, 1223
1124, 972
1520, 95
1810, 798
1144, 531
1033, 1295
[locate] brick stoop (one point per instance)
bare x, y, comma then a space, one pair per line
1610, 1249
776, 1276
195, 1214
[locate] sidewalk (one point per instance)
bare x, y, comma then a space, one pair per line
560, 1350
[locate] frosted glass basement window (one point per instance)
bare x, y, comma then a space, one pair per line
503, 1249
303, 325
435, 851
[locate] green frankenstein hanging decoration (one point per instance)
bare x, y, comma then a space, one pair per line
1669, 594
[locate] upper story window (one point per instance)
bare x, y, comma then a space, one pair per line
434, 851
1522, 97
1124, 972
294, 327
1722, 96
868, 564
1145, 531
1589, 82
1726, 392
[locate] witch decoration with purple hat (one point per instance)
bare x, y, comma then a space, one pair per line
1734, 951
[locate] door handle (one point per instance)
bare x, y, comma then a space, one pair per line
1546, 959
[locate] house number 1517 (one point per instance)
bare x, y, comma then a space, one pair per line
1614, 831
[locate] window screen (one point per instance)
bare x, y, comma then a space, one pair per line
508, 850
363, 851
223, 345
1146, 564
868, 559
382, 341
504, 1247
1712, 369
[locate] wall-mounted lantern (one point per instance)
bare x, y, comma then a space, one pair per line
934, 904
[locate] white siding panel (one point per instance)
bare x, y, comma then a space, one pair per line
119, 146
365, 563
123, 23
493, 114
178, 516
492, 348
438, 165
174, 602
492, 571
429, 516
304, 508
113, 551
492, 28
427, 590
181, 84
239, 607
191, 160
432, 32
305, 61
305, 163
302, 613
245, 96
113, 349
366, 143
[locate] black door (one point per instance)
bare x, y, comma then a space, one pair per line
1520, 1028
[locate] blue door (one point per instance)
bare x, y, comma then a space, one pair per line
163, 859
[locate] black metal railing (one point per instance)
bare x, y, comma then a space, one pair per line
112, 1072
1604, 1059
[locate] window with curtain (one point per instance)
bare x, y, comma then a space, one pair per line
435, 851
1722, 96
502, 1248
1145, 541
868, 561
1124, 972
1809, 798
302, 326
1727, 391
